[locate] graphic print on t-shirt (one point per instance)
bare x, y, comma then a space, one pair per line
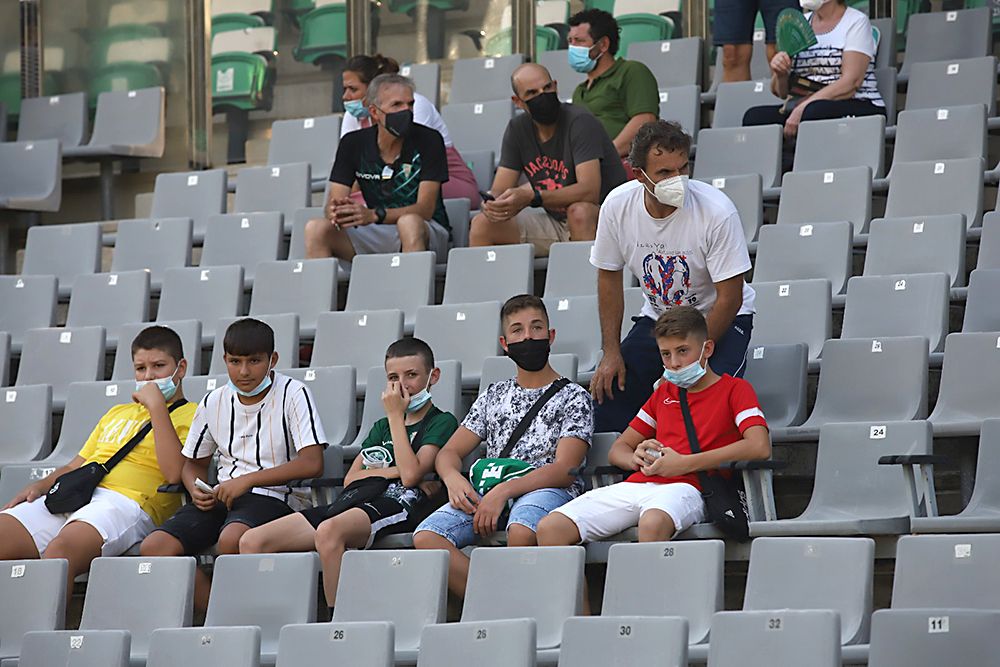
667, 280
547, 173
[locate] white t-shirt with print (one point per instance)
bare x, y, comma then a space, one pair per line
823, 61
678, 258
423, 113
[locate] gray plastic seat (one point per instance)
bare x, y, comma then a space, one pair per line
981, 313
188, 330
306, 288
497, 369
297, 243
334, 389
15, 476
268, 591
557, 63
63, 251
952, 35
312, 140
63, 117
569, 271
948, 133
427, 78
32, 175
778, 374
746, 193
109, 300
634, 300
286, 340
119, 590
740, 150
989, 243
59, 356
912, 245
196, 387
733, 99
952, 83
885, 50
799, 252
466, 332
216, 646
853, 494
898, 305
460, 218
794, 311
926, 638
86, 403
79, 648
937, 188
246, 239
493, 643
578, 329
26, 302
682, 104
483, 166
674, 62
26, 413
827, 196
887, 82
821, 145
196, 195
478, 126
964, 568
969, 379
491, 273
284, 188
357, 644
357, 339
193, 293
633, 640
805, 638
544, 583
153, 245
400, 281
407, 588
39, 586
4, 357
482, 79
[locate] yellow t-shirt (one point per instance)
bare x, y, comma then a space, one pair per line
138, 476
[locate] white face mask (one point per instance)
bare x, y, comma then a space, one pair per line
669, 191
812, 5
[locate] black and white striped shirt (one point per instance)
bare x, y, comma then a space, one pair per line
824, 61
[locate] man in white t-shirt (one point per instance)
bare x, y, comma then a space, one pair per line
685, 242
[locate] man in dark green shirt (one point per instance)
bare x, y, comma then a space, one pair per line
621, 93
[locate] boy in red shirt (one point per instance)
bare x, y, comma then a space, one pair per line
663, 495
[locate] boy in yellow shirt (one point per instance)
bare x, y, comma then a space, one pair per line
126, 506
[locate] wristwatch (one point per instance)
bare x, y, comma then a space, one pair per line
379, 215
536, 201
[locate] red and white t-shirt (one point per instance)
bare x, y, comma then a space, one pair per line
720, 414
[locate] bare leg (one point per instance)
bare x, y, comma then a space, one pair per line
458, 562
736, 62
656, 526
16, 542
521, 536
79, 543
160, 543
289, 533
413, 233
333, 537
484, 232
557, 529
325, 240
581, 218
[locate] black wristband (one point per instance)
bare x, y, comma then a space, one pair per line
536, 201
379, 215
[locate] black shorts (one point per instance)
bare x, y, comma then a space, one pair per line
387, 515
197, 531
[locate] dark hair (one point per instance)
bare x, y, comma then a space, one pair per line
602, 24
681, 322
411, 347
248, 336
516, 304
666, 135
369, 67
159, 338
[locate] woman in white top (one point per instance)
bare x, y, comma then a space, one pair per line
833, 78
358, 73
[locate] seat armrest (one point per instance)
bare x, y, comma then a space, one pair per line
912, 459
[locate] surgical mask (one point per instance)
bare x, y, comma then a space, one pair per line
669, 191
166, 385
256, 391
420, 399
812, 5
688, 376
398, 123
580, 60
356, 108
531, 354
544, 108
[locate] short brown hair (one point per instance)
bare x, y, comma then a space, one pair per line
159, 338
681, 322
516, 304
666, 135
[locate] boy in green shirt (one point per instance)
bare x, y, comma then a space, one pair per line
384, 488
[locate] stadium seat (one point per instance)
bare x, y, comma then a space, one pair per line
675, 62
746, 193
4, 357
477, 126
578, 329
968, 383
913, 304
827, 196
759, 66
885, 53
460, 219
642, 27
569, 271
286, 340
227, 22
216, 646
634, 640
794, 311
485, 643
482, 164
912, 245
740, 150
153, 245
934, 85
334, 390
357, 644
188, 330
798, 252
963, 567
323, 37
63, 117
63, 251
244, 239
109, 300
466, 332
297, 243
733, 99
497, 369
358, 339
26, 413
400, 281
31, 175
949, 133
853, 493
928, 637
26, 302
635, 299
492, 273
193, 293
481, 80
822, 145
268, 591
196, 387
937, 188
952, 35
886, 82
981, 313
284, 188
39, 586
60, 356
500, 43
989, 244
261, 8
407, 588
306, 288
427, 78
15, 476
557, 63
312, 140
86, 403
778, 374
196, 195
803, 637
682, 104
80, 648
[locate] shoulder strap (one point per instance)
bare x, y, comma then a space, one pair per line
127, 448
530, 415
691, 433
424, 423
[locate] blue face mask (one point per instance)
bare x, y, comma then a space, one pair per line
688, 376
256, 391
580, 60
356, 108
420, 399
166, 385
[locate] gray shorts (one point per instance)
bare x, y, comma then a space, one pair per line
372, 239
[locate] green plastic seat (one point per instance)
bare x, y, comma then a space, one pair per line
10, 93
324, 34
120, 33
241, 81
643, 28
123, 76
227, 22
407, 6
606, 5
546, 39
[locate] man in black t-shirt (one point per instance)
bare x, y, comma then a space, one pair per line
568, 160
399, 167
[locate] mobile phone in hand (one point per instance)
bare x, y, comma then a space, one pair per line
486, 195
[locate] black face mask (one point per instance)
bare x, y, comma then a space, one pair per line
531, 354
398, 123
544, 108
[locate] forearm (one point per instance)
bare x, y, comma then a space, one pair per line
167, 444
621, 454
611, 309
721, 317
406, 460
363, 473
623, 142
779, 85
422, 208
448, 464
841, 89
555, 475
741, 450
193, 469
562, 198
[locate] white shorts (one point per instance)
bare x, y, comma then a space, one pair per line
119, 520
540, 229
372, 239
609, 510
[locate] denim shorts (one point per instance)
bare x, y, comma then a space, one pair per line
456, 526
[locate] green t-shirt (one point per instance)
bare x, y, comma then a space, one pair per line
624, 91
